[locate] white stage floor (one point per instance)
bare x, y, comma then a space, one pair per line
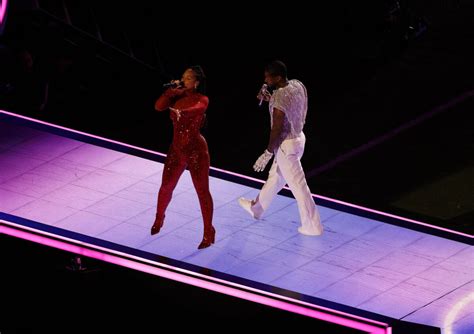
364, 263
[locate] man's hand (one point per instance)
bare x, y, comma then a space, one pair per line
264, 95
262, 161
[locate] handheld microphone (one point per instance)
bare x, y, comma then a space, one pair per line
263, 89
173, 85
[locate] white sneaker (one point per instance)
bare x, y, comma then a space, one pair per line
246, 204
315, 233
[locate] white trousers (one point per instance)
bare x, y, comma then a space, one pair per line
286, 168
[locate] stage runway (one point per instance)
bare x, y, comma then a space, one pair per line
97, 197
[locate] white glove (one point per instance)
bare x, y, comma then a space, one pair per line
262, 161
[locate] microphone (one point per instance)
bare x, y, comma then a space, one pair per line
263, 89
173, 85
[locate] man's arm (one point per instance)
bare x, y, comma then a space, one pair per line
277, 128
274, 142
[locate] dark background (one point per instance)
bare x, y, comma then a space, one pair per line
390, 87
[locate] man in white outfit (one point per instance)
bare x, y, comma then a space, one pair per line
288, 105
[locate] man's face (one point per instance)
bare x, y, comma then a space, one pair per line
270, 79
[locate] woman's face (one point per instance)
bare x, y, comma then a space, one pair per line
189, 80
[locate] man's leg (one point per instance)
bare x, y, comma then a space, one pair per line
275, 182
288, 156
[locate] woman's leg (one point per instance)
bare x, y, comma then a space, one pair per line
172, 170
198, 164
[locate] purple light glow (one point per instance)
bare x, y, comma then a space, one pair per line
452, 315
3, 10
322, 313
244, 176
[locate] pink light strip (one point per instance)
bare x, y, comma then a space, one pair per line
81, 133
69, 240
394, 216
3, 10
392, 133
375, 327
245, 177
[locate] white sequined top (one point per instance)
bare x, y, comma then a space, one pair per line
293, 101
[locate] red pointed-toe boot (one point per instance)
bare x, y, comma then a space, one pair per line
157, 225
208, 239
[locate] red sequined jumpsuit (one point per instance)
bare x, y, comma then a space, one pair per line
189, 148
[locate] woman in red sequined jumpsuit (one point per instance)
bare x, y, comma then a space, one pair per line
189, 148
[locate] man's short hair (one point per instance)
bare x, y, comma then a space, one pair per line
276, 68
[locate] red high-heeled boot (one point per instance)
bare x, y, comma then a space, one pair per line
157, 225
208, 239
